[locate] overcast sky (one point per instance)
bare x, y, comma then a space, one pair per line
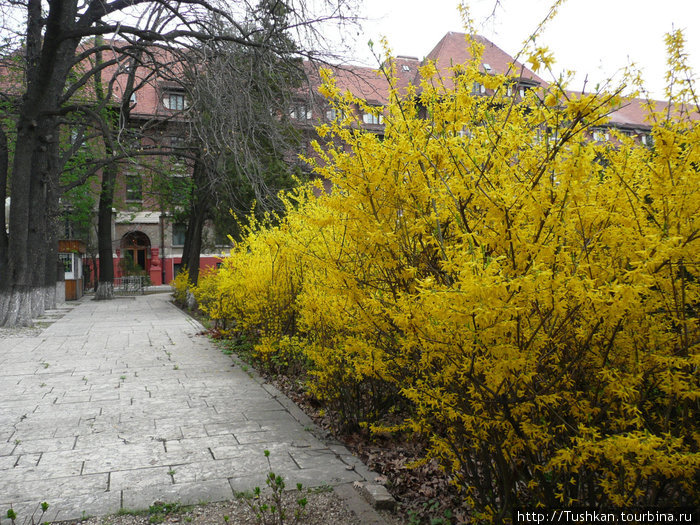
593, 37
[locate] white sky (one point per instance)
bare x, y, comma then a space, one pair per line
593, 37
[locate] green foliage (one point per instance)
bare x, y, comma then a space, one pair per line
159, 511
270, 509
11, 514
129, 267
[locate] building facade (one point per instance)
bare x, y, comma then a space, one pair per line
148, 237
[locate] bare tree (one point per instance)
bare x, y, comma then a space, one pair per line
241, 98
56, 38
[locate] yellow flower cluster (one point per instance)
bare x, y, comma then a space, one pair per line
487, 277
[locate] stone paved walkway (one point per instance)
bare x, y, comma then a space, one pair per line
120, 403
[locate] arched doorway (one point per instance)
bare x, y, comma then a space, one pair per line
136, 249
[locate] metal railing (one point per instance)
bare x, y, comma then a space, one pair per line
130, 284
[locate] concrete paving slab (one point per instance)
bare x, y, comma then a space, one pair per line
118, 404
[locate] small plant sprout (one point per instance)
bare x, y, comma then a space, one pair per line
270, 508
11, 515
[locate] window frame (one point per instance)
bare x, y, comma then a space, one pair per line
170, 95
373, 119
176, 235
301, 112
130, 190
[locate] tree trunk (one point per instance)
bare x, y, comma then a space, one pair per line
105, 286
49, 57
27, 229
199, 210
4, 166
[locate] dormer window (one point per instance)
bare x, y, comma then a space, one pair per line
174, 100
300, 112
600, 135
372, 118
405, 67
334, 113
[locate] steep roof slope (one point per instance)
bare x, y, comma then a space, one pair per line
453, 49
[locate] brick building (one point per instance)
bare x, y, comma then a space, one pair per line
148, 237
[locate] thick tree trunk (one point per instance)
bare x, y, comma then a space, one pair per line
34, 179
105, 286
193, 240
4, 166
21, 301
199, 210
29, 275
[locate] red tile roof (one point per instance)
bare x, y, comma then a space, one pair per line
453, 49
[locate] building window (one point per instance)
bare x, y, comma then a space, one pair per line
478, 88
333, 113
134, 190
180, 189
67, 261
179, 233
132, 97
177, 142
175, 100
372, 118
300, 112
72, 266
600, 135
69, 227
465, 133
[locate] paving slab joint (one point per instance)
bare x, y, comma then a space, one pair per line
339, 450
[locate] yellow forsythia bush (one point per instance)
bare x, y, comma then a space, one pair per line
181, 285
490, 278
256, 285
